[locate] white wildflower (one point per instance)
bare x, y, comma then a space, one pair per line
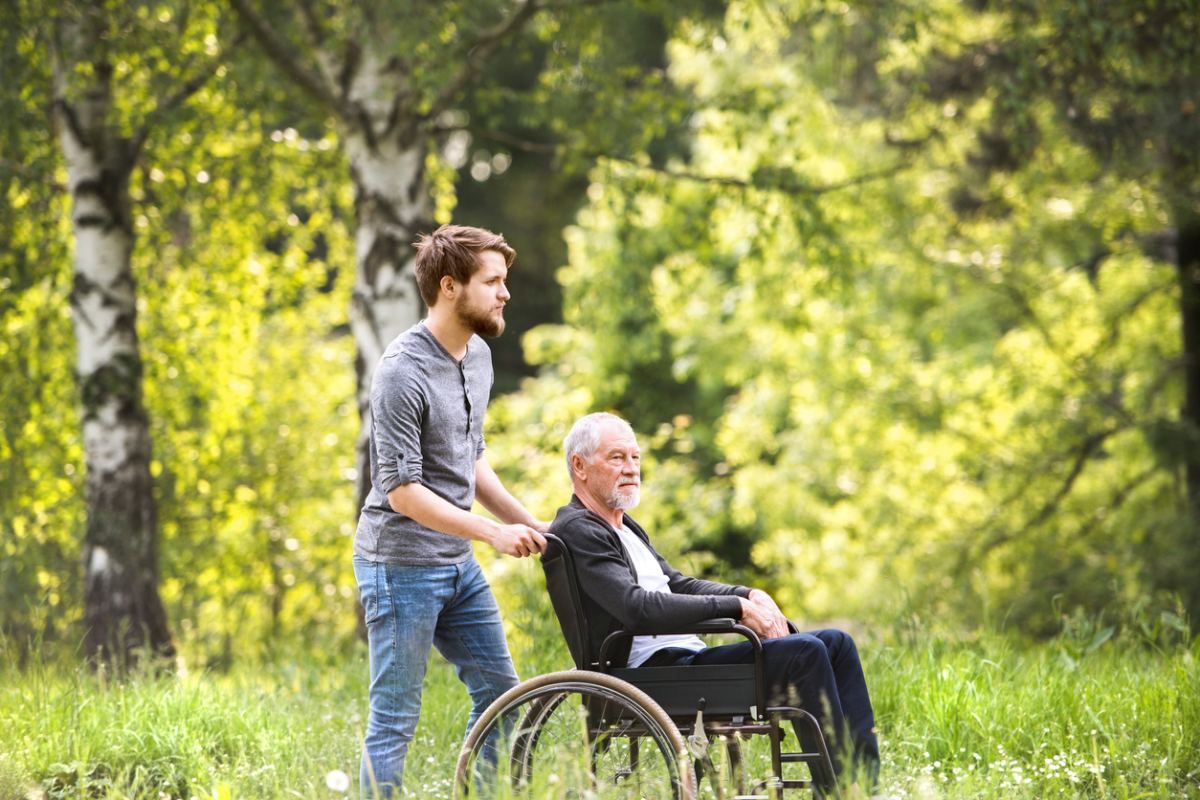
337, 780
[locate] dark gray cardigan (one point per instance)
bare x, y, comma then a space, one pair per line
611, 596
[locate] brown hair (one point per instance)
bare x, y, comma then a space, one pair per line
454, 250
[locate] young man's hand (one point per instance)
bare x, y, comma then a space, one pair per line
518, 540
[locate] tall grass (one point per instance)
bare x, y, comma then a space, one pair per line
66, 732
985, 718
988, 720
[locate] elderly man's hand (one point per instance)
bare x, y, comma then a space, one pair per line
761, 615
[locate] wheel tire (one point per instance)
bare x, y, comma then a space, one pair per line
538, 720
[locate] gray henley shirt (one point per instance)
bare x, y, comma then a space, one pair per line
427, 414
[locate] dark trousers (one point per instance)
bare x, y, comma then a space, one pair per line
818, 671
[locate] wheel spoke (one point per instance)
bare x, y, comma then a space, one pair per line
592, 734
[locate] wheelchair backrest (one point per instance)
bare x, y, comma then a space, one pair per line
725, 689
563, 585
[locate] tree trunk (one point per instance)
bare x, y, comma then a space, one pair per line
1188, 263
386, 124
392, 204
123, 612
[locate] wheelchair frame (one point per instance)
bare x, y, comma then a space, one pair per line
672, 710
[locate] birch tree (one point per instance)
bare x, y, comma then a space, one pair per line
392, 76
112, 89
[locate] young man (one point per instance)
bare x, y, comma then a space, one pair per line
418, 579
626, 584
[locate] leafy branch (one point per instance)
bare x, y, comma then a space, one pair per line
282, 53
767, 178
482, 49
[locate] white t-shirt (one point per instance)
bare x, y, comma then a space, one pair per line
651, 578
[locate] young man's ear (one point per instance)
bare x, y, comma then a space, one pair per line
448, 286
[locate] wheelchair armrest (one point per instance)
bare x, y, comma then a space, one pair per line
715, 625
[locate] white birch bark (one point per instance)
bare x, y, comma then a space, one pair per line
122, 608
364, 83
392, 205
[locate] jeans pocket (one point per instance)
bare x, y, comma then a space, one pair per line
369, 589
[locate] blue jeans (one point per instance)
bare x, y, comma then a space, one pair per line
409, 609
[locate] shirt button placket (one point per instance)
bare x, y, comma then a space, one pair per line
462, 370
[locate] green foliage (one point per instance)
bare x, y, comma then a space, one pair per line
579, 82
888, 304
243, 271
41, 461
40, 449
1121, 78
852, 391
249, 396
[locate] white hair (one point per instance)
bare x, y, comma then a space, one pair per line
584, 437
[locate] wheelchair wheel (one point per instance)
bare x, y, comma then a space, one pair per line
575, 734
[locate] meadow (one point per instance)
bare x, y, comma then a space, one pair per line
981, 716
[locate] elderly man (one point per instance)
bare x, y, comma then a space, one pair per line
626, 584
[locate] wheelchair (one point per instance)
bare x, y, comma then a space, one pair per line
607, 731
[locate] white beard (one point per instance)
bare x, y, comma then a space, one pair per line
625, 499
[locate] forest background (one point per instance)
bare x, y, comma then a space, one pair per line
902, 297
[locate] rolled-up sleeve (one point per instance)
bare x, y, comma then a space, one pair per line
398, 409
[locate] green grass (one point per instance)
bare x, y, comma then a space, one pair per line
981, 719
989, 720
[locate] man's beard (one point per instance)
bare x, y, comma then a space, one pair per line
479, 322
624, 498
